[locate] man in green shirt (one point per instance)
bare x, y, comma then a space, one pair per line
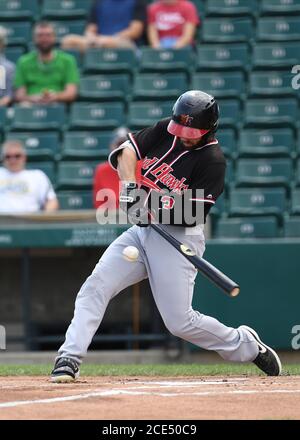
46, 75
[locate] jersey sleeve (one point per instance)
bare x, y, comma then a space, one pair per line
144, 140
141, 142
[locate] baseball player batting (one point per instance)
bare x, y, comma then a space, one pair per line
179, 153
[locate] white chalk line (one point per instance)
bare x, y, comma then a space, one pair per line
117, 392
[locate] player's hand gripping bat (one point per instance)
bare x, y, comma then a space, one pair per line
211, 272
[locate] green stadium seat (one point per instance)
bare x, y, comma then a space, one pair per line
144, 114
17, 32
222, 57
47, 167
86, 145
227, 140
228, 7
105, 87
292, 227
265, 84
106, 115
73, 200
227, 30
159, 86
3, 119
64, 9
298, 173
230, 172
200, 6
220, 84
39, 117
257, 201
295, 201
14, 53
257, 172
19, 9
252, 227
230, 112
278, 29
270, 7
72, 175
259, 142
275, 55
39, 145
298, 144
109, 61
66, 27
281, 111
166, 60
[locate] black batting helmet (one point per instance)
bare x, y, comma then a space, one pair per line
195, 113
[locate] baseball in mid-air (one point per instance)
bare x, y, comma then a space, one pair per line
130, 253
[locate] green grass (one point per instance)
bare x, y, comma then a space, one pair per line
147, 370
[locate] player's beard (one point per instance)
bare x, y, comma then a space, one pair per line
201, 142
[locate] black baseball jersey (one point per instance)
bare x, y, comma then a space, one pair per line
167, 165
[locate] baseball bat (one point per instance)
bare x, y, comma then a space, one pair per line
221, 280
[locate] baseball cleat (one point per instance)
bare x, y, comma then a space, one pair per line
65, 370
267, 359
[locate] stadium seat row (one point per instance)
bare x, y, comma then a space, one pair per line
281, 112
257, 227
32, 9
207, 57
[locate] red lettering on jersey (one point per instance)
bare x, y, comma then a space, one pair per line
180, 187
163, 174
147, 163
161, 171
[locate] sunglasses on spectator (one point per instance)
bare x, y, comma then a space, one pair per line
13, 156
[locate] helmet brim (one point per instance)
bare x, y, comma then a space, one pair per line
185, 132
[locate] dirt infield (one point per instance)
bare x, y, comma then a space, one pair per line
144, 398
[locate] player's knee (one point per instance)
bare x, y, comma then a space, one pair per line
182, 324
177, 327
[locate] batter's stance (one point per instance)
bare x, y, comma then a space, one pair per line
179, 153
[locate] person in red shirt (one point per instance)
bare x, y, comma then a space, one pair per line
107, 178
172, 23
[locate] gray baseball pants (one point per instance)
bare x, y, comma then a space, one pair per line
172, 279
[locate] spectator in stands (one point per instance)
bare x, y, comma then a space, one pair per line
172, 23
47, 75
21, 190
7, 72
107, 178
112, 24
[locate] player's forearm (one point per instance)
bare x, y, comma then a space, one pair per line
127, 165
